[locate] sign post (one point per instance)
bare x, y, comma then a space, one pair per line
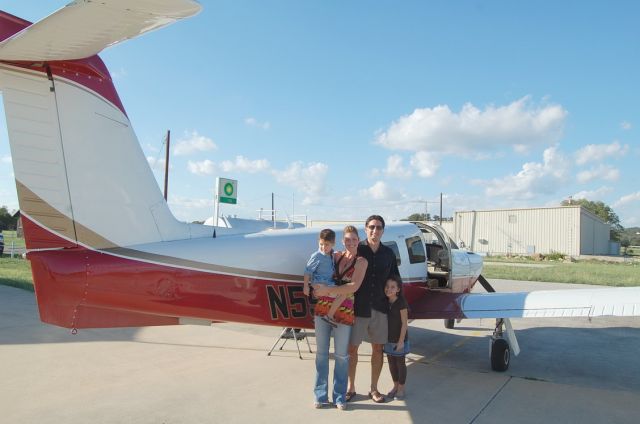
226, 192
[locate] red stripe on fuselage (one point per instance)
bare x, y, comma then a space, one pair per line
82, 288
72, 284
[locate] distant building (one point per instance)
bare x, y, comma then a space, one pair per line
571, 230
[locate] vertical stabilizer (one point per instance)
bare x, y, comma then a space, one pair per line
81, 175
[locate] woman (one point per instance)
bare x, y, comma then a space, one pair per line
351, 270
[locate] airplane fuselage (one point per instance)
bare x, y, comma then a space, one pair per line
252, 278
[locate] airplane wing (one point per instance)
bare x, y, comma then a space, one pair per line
623, 301
84, 28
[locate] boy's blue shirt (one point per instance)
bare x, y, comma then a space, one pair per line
320, 267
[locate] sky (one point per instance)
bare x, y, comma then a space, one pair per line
343, 109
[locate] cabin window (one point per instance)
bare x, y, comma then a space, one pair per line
416, 250
394, 247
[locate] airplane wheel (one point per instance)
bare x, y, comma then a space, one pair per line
449, 323
500, 355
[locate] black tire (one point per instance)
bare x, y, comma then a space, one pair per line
449, 323
500, 355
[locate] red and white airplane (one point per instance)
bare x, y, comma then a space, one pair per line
107, 252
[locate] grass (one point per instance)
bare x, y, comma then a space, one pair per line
16, 273
581, 272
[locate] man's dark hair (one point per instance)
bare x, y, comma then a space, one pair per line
328, 235
374, 217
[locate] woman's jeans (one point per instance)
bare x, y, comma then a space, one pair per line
341, 354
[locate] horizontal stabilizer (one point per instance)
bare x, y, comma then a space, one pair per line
624, 301
84, 28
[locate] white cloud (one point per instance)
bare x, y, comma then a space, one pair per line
629, 198
193, 143
243, 164
150, 147
187, 203
240, 164
379, 191
439, 129
592, 194
425, 164
374, 173
189, 209
253, 122
118, 74
625, 125
598, 152
395, 168
156, 164
205, 167
6, 159
309, 179
522, 149
534, 178
627, 208
603, 172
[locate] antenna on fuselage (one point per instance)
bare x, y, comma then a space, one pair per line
166, 165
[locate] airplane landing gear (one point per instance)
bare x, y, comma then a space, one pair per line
500, 355
499, 350
503, 339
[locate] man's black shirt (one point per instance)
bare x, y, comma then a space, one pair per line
381, 265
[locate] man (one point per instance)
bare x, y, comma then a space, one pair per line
370, 305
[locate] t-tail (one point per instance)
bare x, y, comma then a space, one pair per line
82, 180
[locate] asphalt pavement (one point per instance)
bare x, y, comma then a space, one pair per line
569, 370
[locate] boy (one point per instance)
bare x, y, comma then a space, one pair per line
320, 269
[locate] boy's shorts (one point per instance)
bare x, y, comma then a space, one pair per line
375, 329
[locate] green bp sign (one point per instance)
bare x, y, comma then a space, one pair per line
227, 190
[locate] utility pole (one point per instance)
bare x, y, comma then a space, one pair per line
440, 208
273, 211
166, 166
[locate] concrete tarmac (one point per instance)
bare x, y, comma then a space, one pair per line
570, 370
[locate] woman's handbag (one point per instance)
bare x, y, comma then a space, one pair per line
390, 349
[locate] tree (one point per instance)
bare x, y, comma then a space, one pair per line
603, 211
632, 235
625, 243
417, 217
7, 221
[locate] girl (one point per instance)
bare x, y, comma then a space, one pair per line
398, 345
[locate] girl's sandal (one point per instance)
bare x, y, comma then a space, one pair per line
349, 396
376, 396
